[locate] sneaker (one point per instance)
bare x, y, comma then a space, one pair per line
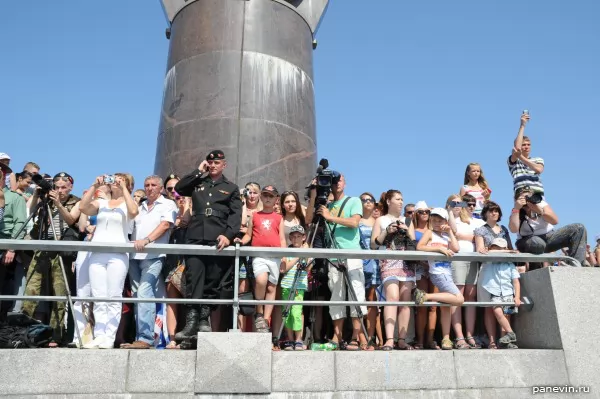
288, 346
261, 325
419, 296
509, 338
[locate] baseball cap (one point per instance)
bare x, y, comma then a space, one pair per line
421, 205
297, 229
500, 242
271, 190
440, 212
4, 155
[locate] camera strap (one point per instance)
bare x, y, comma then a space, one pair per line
339, 213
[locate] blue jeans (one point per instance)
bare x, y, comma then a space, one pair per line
144, 275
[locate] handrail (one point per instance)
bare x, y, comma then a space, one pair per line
185, 249
185, 301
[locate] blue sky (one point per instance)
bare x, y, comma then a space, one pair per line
407, 92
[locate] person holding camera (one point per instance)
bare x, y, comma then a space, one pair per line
343, 215
64, 208
107, 271
216, 219
533, 220
524, 169
391, 233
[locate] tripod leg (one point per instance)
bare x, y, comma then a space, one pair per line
353, 297
286, 311
64, 275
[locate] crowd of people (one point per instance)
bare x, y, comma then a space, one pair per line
205, 208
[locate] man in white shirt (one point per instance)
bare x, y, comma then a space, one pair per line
155, 219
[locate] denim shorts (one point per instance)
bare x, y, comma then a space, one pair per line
444, 283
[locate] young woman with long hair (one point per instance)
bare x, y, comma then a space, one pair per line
391, 232
465, 273
370, 269
476, 185
425, 318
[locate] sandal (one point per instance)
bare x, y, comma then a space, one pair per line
353, 345
172, 345
371, 345
288, 346
404, 346
492, 345
446, 344
299, 346
433, 345
464, 345
416, 345
473, 345
388, 347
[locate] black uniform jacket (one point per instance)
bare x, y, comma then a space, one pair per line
216, 207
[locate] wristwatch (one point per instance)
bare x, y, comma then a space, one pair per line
148, 239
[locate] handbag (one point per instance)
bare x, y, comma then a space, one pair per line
176, 277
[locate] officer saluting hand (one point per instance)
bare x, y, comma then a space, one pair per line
217, 216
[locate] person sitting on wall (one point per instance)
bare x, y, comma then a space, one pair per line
533, 220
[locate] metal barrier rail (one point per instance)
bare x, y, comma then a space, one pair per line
237, 251
184, 249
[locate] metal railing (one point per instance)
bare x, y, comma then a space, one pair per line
237, 252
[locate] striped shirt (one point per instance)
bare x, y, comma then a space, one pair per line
523, 175
288, 278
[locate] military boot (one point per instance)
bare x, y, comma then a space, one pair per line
204, 325
191, 325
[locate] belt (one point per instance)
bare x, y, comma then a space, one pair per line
213, 212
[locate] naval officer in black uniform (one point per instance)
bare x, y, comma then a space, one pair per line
217, 216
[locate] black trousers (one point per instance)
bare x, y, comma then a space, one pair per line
203, 275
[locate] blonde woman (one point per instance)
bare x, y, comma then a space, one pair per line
107, 271
465, 273
476, 185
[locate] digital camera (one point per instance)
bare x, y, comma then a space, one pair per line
109, 179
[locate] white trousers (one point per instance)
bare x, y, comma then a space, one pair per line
82, 276
107, 273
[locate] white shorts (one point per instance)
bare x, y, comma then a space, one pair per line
267, 265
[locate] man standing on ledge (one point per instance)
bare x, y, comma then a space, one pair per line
217, 217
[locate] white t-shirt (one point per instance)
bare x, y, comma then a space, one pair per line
537, 226
385, 220
467, 228
147, 220
439, 266
111, 223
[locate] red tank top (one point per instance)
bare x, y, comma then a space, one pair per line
265, 229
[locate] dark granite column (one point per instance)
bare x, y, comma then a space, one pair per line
240, 78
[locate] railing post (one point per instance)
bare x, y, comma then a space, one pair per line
236, 284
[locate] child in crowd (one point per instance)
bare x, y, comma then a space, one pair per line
476, 185
440, 239
289, 269
499, 282
265, 229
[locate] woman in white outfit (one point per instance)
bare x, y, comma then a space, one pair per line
107, 271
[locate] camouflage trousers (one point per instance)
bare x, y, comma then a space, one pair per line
46, 266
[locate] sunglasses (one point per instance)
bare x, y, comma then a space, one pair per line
423, 212
170, 189
365, 200
471, 204
409, 212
